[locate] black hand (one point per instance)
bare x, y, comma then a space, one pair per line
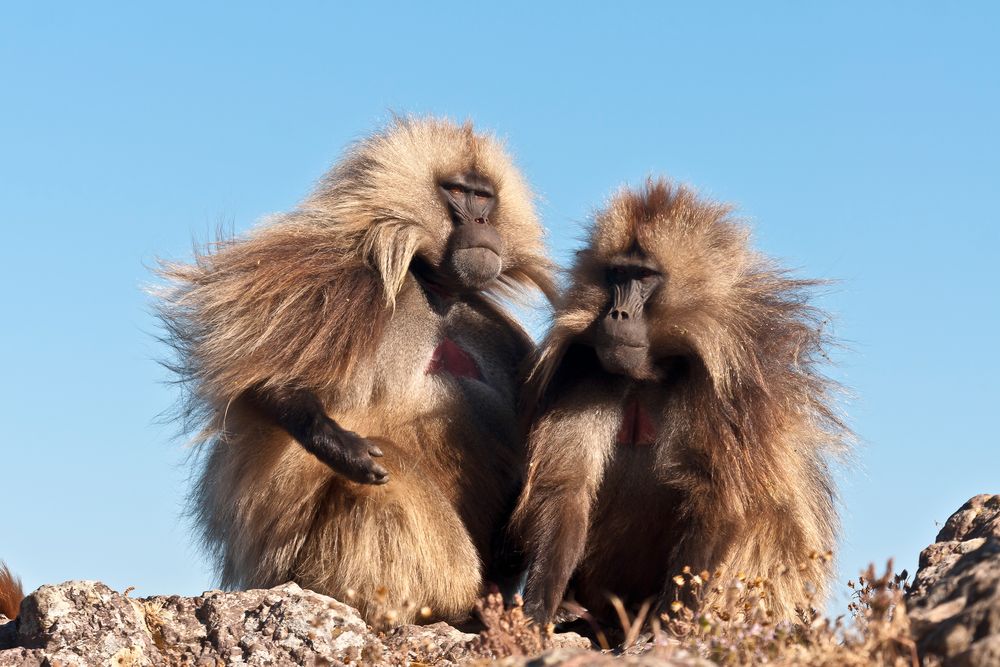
347, 453
301, 413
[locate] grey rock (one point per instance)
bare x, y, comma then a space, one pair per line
22, 657
569, 640
578, 657
87, 623
438, 643
954, 602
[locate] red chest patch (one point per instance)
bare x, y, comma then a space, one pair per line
637, 428
449, 358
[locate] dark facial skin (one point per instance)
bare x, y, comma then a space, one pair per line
301, 414
621, 336
472, 259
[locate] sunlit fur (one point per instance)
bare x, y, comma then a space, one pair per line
10, 593
322, 298
738, 478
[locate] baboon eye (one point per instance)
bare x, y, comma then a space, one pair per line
645, 275
617, 274
456, 190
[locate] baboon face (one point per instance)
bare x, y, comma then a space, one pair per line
437, 201
621, 334
659, 286
472, 258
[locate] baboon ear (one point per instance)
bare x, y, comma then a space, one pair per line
389, 249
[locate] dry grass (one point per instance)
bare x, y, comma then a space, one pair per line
507, 631
737, 630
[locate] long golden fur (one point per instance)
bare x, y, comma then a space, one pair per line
737, 478
323, 298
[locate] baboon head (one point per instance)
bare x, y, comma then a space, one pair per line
659, 283
443, 201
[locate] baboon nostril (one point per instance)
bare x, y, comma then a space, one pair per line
614, 314
624, 316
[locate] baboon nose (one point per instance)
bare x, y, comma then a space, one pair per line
625, 326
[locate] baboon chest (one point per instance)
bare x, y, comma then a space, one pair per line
428, 350
637, 428
450, 358
444, 374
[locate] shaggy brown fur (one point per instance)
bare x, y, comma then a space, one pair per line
323, 298
11, 593
736, 477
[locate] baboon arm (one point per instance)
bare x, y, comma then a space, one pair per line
570, 447
557, 539
301, 414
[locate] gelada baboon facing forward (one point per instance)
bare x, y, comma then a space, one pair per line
679, 417
357, 380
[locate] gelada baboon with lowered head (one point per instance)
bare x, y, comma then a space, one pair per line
679, 416
356, 378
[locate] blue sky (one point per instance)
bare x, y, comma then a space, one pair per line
861, 142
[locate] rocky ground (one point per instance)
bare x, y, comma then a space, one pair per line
954, 602
951, 617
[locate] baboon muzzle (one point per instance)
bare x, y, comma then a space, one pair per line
624, 322
474, 254
622, 340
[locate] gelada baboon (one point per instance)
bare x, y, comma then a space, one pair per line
679, 416
357, 378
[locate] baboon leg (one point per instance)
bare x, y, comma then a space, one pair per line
273, 513
790, 553
399, 548
701, 547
